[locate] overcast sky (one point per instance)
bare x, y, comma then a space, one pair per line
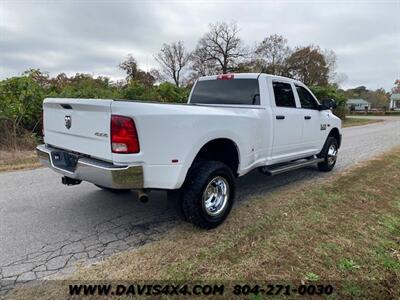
94, 36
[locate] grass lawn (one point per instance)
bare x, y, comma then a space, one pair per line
11, 161
345, 231
349, 121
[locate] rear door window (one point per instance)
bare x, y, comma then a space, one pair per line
284, 96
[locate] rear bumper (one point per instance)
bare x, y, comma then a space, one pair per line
93, 170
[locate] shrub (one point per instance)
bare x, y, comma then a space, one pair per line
169, 92
331, 92
20, 109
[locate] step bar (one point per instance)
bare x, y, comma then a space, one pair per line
278, 169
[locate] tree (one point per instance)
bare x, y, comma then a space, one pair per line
20, 106
396, 88
331, 92
136, 90
331, 59
358, 91
309, 65
42, 78
83, 86
272, 53
172, 59
130, 67
167, 92
201, 64
134, 73
221, 46
378, 98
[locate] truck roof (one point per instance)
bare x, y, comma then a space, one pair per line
244, 76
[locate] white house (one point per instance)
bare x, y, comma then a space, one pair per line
394, 101
358, 104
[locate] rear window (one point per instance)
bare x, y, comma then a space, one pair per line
233, 91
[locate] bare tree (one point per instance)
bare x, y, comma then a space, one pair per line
221, 46
272, 53
331, 59
339, 79
172, 59
201, 64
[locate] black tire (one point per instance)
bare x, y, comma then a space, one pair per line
329, 161
115, 191
218, 179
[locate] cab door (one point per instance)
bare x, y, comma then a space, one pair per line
313, 127
287, 122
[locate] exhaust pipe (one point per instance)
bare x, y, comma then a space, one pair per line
143, 196
70, 181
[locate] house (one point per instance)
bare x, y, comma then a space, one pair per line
358, 104
395, 101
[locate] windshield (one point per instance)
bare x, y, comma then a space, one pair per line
233, 91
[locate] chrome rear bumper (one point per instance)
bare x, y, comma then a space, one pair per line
92, 170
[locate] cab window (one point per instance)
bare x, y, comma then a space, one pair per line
233, 92
306, 99
284, 96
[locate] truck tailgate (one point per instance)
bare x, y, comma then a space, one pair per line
80, 125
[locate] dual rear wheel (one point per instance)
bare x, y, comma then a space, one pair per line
207, 195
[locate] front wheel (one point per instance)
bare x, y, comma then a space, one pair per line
208, 194
329, 154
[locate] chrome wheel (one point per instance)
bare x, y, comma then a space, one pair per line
332, 154
215, 196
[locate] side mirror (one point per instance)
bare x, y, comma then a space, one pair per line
328, 104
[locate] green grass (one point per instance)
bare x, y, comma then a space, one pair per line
312, 276
387, 113
349, 121
348, 265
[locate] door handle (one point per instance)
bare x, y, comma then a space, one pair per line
307, 117
280, 117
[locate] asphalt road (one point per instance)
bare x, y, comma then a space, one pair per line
46, 227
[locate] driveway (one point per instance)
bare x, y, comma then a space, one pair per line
46, 227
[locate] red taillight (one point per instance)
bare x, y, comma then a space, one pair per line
226, 76
124, 138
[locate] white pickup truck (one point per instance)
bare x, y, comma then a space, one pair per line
232, 124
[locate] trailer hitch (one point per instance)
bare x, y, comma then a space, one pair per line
70, 181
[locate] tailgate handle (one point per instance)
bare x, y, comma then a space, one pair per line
307, 117
66, 106
280, 117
